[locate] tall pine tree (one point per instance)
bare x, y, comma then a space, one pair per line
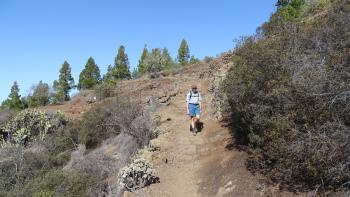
64, 84
90, 75
14, 99
121, 64
183, 55
141, 67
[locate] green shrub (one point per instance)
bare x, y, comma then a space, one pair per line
58, 183
59, 146
288, 96
290, 10
104, 90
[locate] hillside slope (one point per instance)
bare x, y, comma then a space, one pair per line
208, 164
197, 165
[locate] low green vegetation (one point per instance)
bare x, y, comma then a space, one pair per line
289, 93
36, 146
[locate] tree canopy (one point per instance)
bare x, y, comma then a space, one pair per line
183, 56
64, 84
90, 75
40, 95
14, 99
121, 64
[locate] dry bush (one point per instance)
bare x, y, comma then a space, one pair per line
18, 165
104, 90
113, 117
119, 129
5, 115
289, 99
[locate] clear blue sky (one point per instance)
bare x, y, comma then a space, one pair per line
38, 35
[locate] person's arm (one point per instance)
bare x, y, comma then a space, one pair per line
200, 103
187, 102
188, 111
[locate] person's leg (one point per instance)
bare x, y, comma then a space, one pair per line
192, 115
193, 121
197, 115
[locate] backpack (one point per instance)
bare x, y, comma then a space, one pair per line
191, 94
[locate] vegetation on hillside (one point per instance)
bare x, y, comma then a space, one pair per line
289, 93
64, 84
153, 62
183, 56
36, 148
40, 96
14, 100
90, 75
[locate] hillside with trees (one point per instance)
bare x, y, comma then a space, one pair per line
275, 123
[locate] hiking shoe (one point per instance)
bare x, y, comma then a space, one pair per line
195, 130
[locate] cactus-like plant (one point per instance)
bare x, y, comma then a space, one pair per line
28, 125
138, 174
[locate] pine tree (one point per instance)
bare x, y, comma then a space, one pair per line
183, 53
166, 60
121, 64
64, 84
14, 99
90, 75
110, 76
141, 67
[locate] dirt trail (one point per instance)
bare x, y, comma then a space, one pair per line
195, 166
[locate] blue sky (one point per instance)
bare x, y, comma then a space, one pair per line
37, 36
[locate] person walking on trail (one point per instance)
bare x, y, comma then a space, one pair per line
194, 107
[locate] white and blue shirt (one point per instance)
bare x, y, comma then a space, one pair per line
193, 98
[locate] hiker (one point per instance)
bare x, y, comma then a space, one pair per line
194, 107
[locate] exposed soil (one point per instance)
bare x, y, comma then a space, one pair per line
202, 165
187, 165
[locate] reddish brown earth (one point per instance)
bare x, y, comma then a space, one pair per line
188, 166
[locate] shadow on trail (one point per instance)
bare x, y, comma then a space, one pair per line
238, 130
199, 126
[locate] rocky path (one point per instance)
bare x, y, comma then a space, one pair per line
176, 162
205, 165
195, 166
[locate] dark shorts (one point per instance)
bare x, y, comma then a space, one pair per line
194, 109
